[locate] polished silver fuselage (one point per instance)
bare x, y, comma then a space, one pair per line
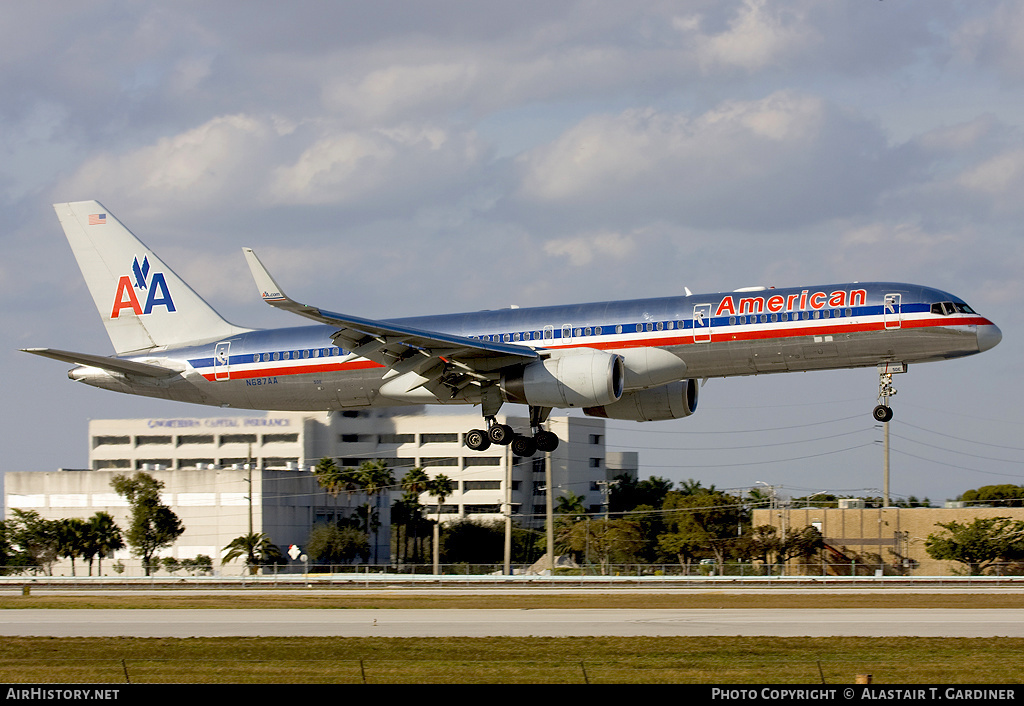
746, 332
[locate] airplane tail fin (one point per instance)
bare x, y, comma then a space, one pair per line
142, 302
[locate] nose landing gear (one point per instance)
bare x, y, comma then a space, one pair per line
883, 412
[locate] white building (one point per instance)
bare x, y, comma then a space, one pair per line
204, 463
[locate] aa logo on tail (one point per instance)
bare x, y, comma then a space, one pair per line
155, 289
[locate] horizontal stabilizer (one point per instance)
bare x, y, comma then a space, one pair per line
116, 365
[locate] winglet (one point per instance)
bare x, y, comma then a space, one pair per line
269, 289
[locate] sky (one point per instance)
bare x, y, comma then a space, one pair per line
393, 159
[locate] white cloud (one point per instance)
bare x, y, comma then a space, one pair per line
202, 165
786, 158
584, 249
759, 35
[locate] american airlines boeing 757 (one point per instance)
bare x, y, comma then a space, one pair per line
634, 360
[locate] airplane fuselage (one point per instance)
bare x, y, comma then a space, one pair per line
660, 341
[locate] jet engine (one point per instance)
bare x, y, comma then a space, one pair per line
656, 404
582, 377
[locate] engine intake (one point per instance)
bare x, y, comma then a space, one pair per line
572, 378
656, 404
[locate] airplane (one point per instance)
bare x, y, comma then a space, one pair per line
637, 360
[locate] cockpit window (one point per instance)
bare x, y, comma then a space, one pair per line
947, 308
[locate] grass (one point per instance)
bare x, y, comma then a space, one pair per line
571, 660
455, 660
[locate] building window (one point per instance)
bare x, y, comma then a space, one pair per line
110, 440
482, 509
439, 461
396, 438
280, 438
439, 438
152, 440
596, 439
282, 462
100, 465
237, 439
195, 439
195, 462
595, 463
156, 464
481, 485
482, 461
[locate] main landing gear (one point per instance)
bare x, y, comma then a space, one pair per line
883, 412
504, 435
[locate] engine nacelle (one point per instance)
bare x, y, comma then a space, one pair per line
582, 377
657, 404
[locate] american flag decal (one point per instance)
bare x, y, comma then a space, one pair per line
97, 219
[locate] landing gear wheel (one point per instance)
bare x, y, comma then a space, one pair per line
546, 441
882, 413
501, 434
477, 440
523, 446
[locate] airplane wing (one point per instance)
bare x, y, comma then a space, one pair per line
454, 361
116, 365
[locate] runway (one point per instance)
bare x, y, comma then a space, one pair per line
927, 622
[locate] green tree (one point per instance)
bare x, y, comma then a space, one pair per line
258, 550
763, 544
153, 525
711, 519
331, 544
408, 514
978, 544
70, 538
466, 541
570, 504
612, 541
375, 478
627, 493
33, 540
336, 479
1003, 495
103, 537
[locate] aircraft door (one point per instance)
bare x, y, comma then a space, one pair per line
892, 311
222, 361
702, 323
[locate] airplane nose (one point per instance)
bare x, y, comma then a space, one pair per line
988, 336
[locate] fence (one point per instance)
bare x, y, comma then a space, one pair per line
695, 570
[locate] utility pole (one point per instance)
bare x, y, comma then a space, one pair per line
248, 466
507, 570
885, 464
549, 512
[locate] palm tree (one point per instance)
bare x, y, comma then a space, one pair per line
414, 483
440, 487
256, 547
570, 504
70, 536
375, 478
103, 538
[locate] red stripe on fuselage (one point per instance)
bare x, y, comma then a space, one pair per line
719, 334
